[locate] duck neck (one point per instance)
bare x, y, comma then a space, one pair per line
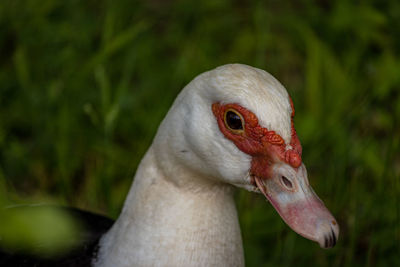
165, 223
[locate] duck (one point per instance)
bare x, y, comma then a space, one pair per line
230, 127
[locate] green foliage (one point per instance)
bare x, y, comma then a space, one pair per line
37, 230
84, 85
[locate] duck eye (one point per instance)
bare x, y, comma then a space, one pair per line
233, 120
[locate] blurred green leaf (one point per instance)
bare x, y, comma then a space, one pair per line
39, 231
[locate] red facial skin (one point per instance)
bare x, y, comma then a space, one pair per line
265, 146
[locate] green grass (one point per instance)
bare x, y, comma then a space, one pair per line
84, 85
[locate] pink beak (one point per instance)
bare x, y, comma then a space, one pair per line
293, 198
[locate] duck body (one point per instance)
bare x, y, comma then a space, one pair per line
194, 224
229, 127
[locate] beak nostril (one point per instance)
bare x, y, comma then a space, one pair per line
286, 182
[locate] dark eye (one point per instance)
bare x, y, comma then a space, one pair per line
234, 121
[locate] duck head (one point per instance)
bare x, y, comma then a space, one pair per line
235, 125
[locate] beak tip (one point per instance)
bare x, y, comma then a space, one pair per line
329, 235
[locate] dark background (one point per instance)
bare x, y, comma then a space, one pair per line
85, 84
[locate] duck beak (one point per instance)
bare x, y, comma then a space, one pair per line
293, 198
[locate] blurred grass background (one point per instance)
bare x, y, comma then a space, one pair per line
85, 84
